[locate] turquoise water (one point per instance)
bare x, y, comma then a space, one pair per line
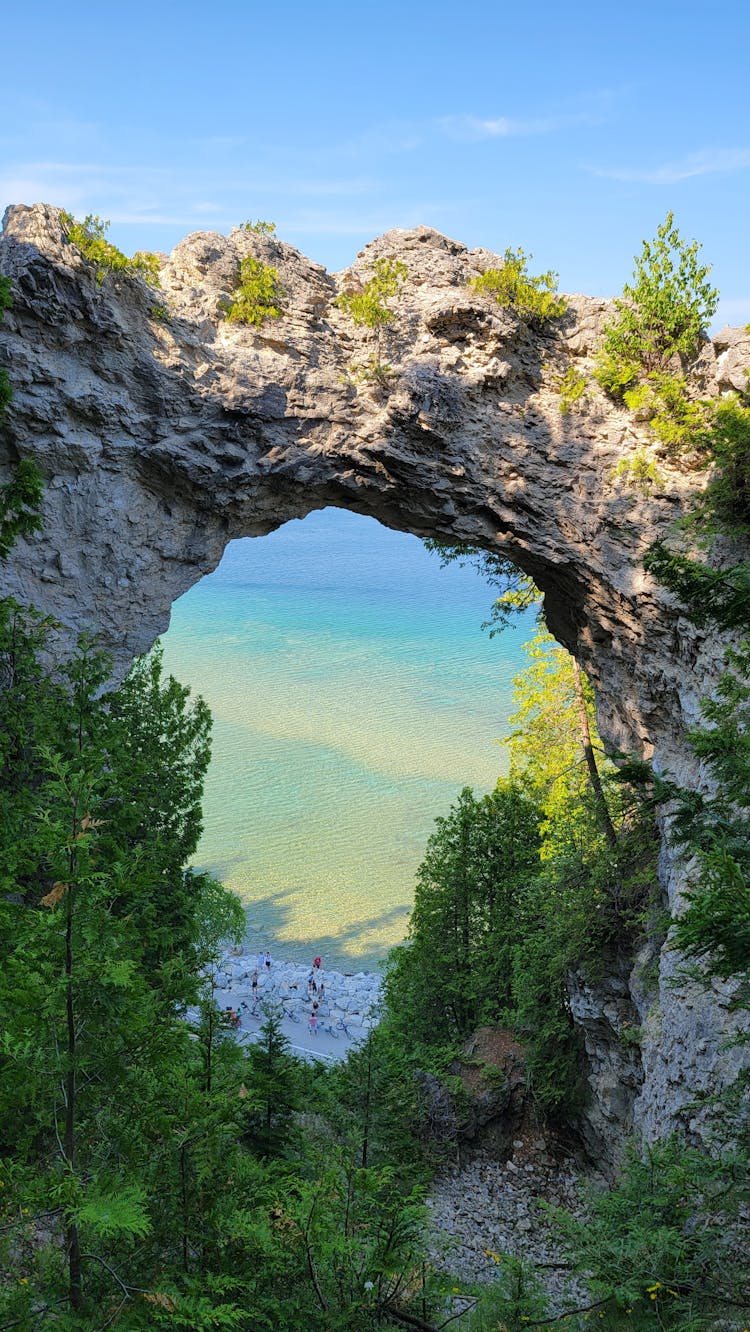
353, 695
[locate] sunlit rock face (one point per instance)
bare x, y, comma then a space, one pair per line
161, 436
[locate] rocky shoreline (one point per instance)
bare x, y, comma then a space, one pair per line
349, 997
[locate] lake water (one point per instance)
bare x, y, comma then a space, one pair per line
353, 694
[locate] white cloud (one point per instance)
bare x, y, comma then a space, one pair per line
475, 128
710, 161
168, 196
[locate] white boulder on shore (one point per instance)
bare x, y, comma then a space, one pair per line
353, 997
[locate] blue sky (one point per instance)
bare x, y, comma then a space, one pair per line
567, 129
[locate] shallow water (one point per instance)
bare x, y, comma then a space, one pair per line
353, 695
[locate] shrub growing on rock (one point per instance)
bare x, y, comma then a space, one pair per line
663, 311
533, 298
90, 236
369, 305
258, 295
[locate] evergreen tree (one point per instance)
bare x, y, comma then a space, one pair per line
455, 970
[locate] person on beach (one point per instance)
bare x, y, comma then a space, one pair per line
310, 982
254, 987
313, 1023
267, 960
317, 963
321, 992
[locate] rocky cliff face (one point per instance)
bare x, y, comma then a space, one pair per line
163, 437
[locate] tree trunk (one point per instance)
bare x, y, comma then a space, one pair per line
605, 821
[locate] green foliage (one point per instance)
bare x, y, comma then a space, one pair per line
147, 264
658, 326
373, 371
614, 375
533, 298
90, 236
514, 1300
572, 389
659, 1249
259, 228
258, 296
369, 306
716, 828
712, 596
663, 311
726, 503
273, 1083
120, 1210
519, 592
455, 970
640, 472
546, 746
20, 502
373, 1102
679, 424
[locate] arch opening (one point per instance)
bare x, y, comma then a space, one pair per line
353, 695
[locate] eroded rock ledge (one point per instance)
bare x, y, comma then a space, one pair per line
160, 439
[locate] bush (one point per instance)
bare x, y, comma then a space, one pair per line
659, 324
369, 306
260, 228
658, 1247
679, 424
663, 312
258, 295
728, 494
372, 371
640, 472
615, 376
512, 285
90, 236
572, 389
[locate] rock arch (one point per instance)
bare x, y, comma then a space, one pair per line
161, 437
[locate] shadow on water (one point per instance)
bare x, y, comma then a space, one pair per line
269, 926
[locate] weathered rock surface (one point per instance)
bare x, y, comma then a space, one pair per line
160, 439
486, 1208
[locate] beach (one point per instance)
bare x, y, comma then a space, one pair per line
348, 1003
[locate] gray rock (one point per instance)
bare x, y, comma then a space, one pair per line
160, 441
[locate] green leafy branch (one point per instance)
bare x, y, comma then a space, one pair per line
663, 311
90, 237
572, 389
532, 297
640, 472
258, 295
369, 306
259, 227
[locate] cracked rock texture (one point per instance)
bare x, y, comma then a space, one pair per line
164, 433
